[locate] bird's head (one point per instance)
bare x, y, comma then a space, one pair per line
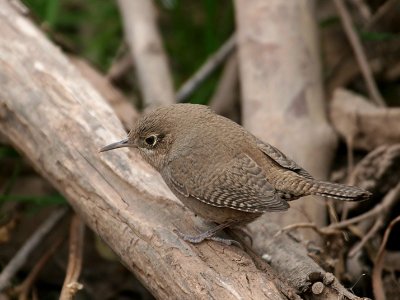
156, 132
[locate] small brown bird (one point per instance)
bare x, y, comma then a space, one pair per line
221, 171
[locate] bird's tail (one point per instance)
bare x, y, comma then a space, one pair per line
338, 191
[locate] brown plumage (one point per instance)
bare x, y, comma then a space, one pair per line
219, 170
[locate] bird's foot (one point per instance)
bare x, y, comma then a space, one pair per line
196, 239
228, 242
209, 235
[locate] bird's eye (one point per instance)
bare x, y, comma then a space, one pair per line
151, 140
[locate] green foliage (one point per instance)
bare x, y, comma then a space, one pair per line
10, 155
364, 35
8, 152
14, 175
377, 36
46, 10
34, 200
329, 21
191, 31
92, 28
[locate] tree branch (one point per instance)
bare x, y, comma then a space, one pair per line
150, 60
211, 64
22, 255
359, 53
59, 122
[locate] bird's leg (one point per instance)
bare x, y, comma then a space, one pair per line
243, 232
209, 235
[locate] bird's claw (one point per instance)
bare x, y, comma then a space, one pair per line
196, 239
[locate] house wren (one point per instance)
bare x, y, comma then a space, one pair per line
221, 171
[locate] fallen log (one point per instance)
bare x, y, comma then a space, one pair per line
58, 121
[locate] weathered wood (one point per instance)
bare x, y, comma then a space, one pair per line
290, 258
58, 121
123, 107
139, 18
362, 123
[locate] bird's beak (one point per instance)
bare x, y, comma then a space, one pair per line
120, 144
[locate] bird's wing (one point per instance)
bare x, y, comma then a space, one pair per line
281, 159
240, 184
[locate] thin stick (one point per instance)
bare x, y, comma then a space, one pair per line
363, 9
206, 69
139, 18
359, 53
350, 156
120, 66
380, 12
23, 289
350, 168
71, 284
22, 255
322, 231
377, 225
377, 285
388, 201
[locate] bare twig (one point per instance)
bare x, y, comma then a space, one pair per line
6, 229
121, 64
387, 203
120, 67
378, 172
379, 210
363, 9
24, 288
71, 284
350, 167
359, 53
350, 156
206, 69
382, 11
22, 255
149, 57
345, 293
377, 285
322, 231
365, 238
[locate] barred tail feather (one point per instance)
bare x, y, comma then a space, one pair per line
339, 191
